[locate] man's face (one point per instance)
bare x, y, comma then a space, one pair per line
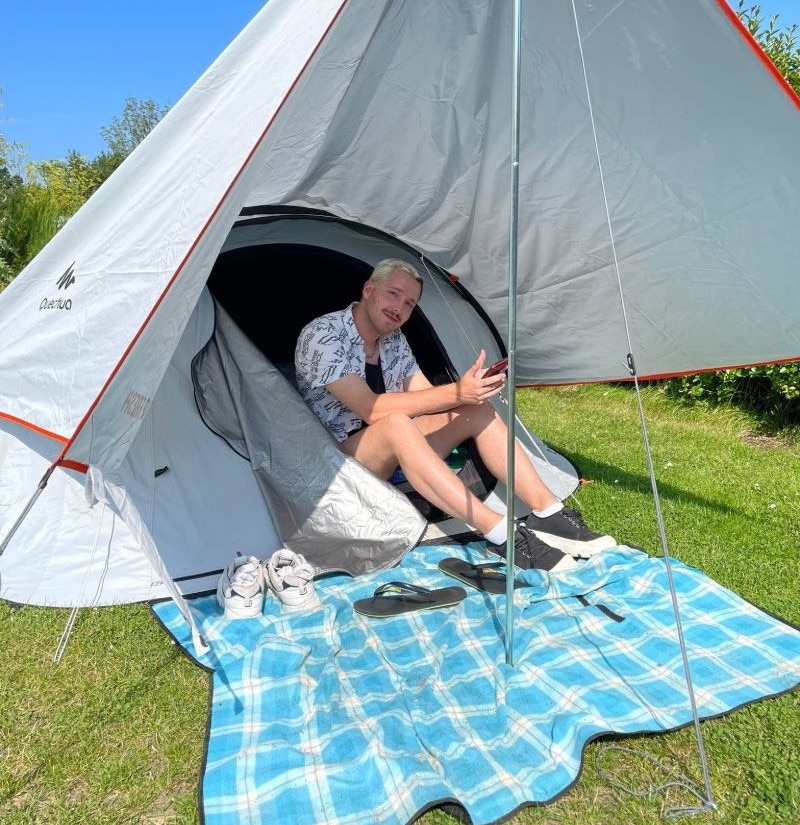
389, 304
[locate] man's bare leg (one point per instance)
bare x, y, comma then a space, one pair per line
397, 439
419, 445
555, 525
481, 422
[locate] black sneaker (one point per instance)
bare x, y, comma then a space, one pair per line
530, 551
567, 531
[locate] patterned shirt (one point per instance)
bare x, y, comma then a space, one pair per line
331, 347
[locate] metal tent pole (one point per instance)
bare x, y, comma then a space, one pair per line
512, 335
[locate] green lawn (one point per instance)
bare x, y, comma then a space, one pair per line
114, 733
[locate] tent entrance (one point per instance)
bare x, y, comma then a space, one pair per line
272, 290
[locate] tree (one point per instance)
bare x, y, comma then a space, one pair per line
125, 133
9, 182
37, 203
51, 192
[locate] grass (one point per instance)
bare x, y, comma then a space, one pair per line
114, 733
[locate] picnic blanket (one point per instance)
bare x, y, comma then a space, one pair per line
333, 717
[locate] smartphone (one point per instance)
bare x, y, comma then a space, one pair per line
498, 366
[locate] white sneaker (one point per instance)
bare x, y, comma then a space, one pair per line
241, 588
290, 578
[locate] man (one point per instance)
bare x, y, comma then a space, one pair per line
356, 371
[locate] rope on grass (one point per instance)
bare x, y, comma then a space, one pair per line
673, 779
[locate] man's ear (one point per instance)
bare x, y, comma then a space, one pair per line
366, 290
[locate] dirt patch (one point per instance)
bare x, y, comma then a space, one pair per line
765, 442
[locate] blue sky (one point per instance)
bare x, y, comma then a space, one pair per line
67, 66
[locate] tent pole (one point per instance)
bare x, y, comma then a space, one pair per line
37, 492
512, 336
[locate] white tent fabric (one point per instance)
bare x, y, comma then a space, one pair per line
397, 115
67, 552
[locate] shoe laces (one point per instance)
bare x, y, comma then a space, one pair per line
526, 542
573, 516
291, 568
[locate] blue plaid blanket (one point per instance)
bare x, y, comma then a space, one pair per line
333, 717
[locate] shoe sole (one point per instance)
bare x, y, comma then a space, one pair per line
309, 604
287, 595
234, 612
574, 547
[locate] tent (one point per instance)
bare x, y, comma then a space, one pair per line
656, 227
228, 457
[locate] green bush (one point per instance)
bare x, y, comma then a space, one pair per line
779, 41
771, 391
32, 217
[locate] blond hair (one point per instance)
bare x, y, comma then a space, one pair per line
383, 269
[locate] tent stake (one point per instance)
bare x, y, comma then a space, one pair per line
66, 635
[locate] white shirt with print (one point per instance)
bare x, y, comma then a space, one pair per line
331, 347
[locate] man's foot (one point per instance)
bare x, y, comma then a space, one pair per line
567, 531
530, 551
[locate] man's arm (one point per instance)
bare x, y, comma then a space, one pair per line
420, 396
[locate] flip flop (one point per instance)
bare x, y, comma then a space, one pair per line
484, 576
395, 598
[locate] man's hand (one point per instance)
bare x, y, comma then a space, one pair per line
474, 388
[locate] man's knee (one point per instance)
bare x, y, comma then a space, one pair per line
396, 425
477, 416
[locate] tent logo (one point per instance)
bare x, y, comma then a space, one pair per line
136, 404
68, 278
64, 282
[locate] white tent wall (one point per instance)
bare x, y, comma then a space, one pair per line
64, 552
164, 212
198, 511
197, 498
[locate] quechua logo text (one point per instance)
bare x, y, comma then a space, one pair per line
62, 284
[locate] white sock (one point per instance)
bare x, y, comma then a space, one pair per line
499, 533
549, 511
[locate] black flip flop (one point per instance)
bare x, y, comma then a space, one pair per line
395, 598
485, 576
